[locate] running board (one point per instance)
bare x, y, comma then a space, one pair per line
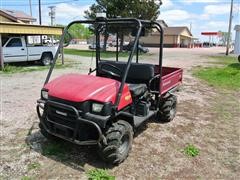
138, 120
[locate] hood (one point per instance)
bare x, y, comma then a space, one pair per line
79, 88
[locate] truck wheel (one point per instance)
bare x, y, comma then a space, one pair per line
167, 109
46, 59
119, 142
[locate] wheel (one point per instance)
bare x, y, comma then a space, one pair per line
46, 59
168, 108
46, 134
239, 58
119, 142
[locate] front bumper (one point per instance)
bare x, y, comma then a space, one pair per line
67, 126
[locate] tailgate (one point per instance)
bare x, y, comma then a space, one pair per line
171, 78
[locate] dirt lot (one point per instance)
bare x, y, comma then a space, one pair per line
207, 117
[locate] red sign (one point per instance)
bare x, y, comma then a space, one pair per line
211, 33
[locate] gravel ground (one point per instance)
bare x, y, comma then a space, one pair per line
206, 117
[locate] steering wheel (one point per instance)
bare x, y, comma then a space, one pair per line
110, 72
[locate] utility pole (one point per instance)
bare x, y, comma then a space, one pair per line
52, 14
40, 13
229, 28
191, 43
40, 18
1, 55
30, 6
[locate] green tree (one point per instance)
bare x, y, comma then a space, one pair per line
141, 9
224, 37
79, 31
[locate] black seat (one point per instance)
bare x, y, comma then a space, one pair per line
138, 76
139, 73
137, 89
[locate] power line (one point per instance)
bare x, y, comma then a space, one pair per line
57, 2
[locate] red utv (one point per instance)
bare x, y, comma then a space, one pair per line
106, 106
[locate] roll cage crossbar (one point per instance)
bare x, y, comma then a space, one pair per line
139, 24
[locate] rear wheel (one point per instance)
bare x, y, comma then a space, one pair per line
168, 108
46, 59
119, 142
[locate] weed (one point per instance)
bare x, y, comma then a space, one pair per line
34, 165
99, 174
26, 178
191, 150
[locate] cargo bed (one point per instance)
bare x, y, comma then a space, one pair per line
171, 78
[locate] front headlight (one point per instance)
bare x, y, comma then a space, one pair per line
44, 94
96, 107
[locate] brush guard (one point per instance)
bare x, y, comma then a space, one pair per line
69, 115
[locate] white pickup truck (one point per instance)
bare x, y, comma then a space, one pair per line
16, 49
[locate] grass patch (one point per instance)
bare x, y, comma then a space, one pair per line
99, 174
26, 178
21, 68
34, 165
55, 149
191, 150
223, 60
90, 53
227, 76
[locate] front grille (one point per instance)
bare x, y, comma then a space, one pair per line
64, 121
61, 115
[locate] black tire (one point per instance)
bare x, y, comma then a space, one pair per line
168, 108
119, 143
239, 58
46, 59
46, 134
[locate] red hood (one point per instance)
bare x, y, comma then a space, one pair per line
79, 88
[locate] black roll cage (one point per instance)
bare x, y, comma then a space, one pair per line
139, 24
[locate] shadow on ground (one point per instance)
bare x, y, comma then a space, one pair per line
68, 153
25, 64
235, 66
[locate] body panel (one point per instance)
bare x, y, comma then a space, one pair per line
80, 88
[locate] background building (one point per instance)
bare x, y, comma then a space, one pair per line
15, 16
173, 37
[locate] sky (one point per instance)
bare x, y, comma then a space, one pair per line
200, 15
